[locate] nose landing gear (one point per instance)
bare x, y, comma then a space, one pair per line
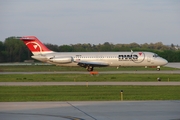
158, 68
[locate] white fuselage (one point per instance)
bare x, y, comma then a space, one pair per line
110, 58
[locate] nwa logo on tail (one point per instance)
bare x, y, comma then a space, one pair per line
34, 47
135, 57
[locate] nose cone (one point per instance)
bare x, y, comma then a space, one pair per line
160, 61
164, 61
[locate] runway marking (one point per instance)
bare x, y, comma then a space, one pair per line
67, 117
81, 111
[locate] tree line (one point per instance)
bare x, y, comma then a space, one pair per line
14, 50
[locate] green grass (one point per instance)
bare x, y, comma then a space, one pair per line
91, 93
87, 77
52, 68
83, 93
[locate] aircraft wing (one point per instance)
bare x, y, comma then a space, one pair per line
91, 63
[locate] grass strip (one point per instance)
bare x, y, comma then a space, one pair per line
87, 77
91, 93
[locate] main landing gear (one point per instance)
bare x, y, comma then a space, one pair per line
89, 68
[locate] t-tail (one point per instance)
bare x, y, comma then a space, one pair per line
35, 46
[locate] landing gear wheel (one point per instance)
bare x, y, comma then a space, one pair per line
158, 68
89, 68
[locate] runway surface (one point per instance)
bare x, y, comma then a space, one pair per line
173, 65
105, 72
87, 83
106, 110
91, 110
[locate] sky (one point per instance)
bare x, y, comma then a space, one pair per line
65, 22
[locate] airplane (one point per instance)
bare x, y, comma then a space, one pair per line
89, 60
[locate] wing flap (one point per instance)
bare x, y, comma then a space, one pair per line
91, 63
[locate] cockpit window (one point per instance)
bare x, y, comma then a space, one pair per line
155, 55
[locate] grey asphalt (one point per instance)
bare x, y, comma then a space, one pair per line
87, 83
94, 110
105, 72
173, 65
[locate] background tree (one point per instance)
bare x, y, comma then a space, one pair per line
3, 53
65, 48
14, 50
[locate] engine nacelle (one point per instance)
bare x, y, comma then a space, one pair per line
61, 60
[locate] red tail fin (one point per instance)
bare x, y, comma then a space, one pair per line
34, 45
